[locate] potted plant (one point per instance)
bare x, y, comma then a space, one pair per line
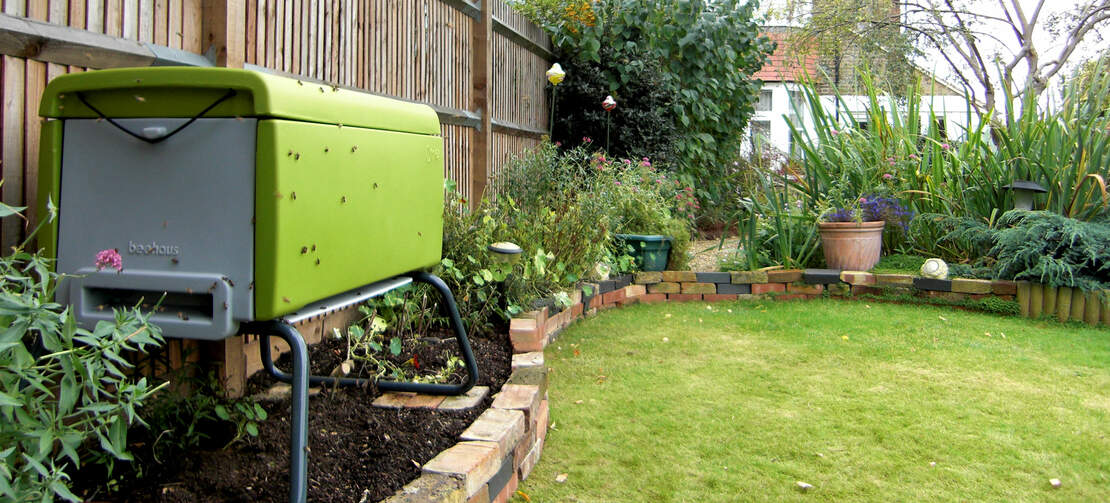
852, 234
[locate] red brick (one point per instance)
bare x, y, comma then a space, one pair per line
530, 460
863, 289
784, 276
613, 297
683, 297
717, 297
1001, 287
628, 301
520, 397
652, 298
500, 426
541, 421
576, 310
595, 302
482, 496
635, 290
804, 289
473, 462
523, 448
762, 288
526, 335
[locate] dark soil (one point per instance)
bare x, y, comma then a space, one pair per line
356, 452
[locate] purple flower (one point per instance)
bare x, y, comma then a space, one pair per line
109, 258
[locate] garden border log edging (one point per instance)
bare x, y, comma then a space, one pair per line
503, 445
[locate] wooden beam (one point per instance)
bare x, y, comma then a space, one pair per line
514, 129
482, 75
520, 39
464, 6
224, 40
26, 38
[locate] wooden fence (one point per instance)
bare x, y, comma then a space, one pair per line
481, 67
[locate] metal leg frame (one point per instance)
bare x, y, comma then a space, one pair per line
298, 439
301, 379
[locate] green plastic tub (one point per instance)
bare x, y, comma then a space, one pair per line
649, 250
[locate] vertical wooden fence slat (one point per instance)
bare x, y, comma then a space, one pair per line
14, 70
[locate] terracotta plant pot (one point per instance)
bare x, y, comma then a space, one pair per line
852, 246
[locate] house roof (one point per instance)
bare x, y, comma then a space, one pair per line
785, 67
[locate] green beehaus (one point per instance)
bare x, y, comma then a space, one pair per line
348, 187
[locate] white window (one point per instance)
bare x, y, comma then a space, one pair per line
764, 103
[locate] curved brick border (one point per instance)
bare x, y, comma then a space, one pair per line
502, 446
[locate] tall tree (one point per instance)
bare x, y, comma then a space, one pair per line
995, 48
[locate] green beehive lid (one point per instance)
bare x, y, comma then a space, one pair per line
186, 91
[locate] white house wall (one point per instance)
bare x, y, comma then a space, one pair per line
953, 110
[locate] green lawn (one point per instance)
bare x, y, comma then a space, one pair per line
867, 402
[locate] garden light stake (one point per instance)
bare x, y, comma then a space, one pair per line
555, 75
608, 105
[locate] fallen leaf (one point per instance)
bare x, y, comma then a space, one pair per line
524, 495
668, 315
578, 401
560, 478
932, 463
804, 486
845, 337
666, 339
577, 352
942, 318
868, 306
730, 310
1055, 483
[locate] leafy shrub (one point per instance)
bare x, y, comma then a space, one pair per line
705, 52
65, 398
1052, 249
643, 122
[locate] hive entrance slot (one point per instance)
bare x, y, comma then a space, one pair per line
181, 305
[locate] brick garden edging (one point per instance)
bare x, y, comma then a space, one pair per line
502, 446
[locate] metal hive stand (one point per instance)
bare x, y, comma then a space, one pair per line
300, 378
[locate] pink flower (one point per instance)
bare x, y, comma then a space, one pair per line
914, 157
645, 164
645, 159
586, 139
863, 199
945, 146
109, 258
834, 132
558, 144
887, 176
626, 161
617, 182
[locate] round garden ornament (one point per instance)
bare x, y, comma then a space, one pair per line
934, 268
609, 104
555, 74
